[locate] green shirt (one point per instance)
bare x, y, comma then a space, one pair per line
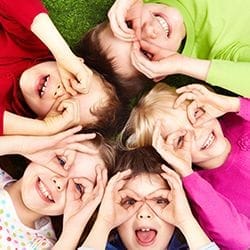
218, 30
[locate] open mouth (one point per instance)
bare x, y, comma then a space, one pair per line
42, 85
145, 236
44, 192
163, 24
209, 141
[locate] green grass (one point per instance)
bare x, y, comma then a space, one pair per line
74, 17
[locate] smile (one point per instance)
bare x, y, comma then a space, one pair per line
42, 85
163, 24
209, 141
145, 236
44, 192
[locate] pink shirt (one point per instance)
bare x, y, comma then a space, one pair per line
220, 197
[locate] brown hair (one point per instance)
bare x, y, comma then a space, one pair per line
111, 114
95, 56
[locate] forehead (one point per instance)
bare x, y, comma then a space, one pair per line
118, 51
145, 184
85, 166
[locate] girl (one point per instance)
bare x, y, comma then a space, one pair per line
42, 192
191, 131
144, 202
33, 84
158, 38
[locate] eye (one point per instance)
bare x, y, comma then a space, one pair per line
147, 54
179, 142
61, 161
80, 188
127, 202
198, 113
129, 24
161, 201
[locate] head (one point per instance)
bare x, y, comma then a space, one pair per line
41, 87
161, 25
208, 142
43, 191
144, 230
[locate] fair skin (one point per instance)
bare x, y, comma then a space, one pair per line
193, 134
161, 25
42, 89
146, 212
42, 191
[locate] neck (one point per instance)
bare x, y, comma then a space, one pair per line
26, 216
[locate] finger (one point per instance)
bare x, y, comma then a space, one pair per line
187, 141
56, 168
175, 136
191, 111
70, 192
67, 134
67, 85
184, 97
172, 173
71, 155
192, 87
80, 137
79, 147
150, 48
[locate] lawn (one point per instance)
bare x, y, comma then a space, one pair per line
74, 17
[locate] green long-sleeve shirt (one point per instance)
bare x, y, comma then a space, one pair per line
218, 30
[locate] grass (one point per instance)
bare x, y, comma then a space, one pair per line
74, 17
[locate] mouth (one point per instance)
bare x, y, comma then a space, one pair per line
163, 23
209, 141
44, 192
43, 85
145, 236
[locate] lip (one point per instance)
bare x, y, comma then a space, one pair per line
209, 142
145, 243
41, 194
167, 21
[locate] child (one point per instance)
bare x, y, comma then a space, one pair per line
194, 38
32, 83
144, 205
42, 192
191, 131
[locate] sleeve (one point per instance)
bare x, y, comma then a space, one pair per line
1, 119
244, 108
23, 11
217, 215
230, 75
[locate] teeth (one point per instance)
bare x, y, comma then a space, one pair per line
43, 87
44, 191
163, 24
145, 229
209, 141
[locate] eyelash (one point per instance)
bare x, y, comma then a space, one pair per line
61, 161
128, 202
80, 188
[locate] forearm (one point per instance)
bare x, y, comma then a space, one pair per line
66, 241
46, 31
19, 125
100, 232
195, 236
194, 67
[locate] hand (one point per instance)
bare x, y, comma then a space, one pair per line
177, 211
78, 211
46, 149
122, 11
205, 105
111, 212
75, 75
69, 115
158, 63
175, 149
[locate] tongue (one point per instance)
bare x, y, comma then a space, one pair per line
145, 237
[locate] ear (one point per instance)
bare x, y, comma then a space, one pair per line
158, 78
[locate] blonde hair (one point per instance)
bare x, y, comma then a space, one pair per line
151, 107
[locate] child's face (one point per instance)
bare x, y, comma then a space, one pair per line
161, 25
43, 191
208, 142
145, 230
41, 98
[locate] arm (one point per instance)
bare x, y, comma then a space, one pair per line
216, 214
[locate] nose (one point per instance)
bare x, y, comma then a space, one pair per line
145, 212
59, 182
149, 30
59, 91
